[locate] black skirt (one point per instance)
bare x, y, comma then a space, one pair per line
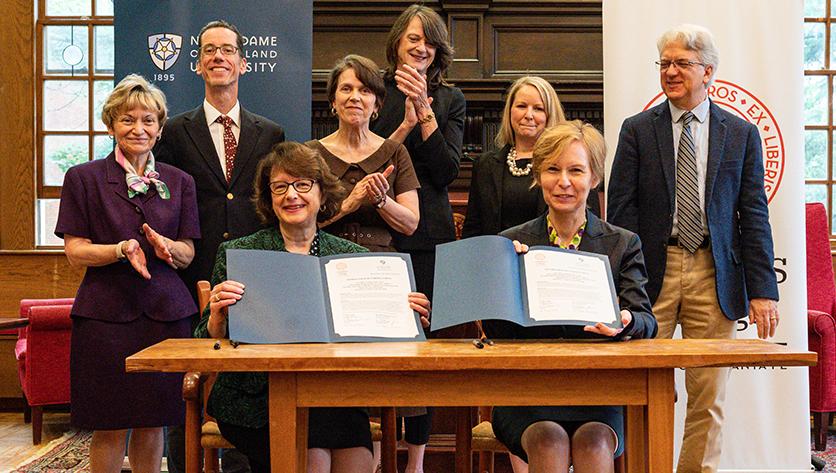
103, 396
509, 423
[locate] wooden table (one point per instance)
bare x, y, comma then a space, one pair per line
638, 373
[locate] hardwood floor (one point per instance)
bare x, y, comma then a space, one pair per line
16, 437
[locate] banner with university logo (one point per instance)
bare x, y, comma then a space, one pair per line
759, 79
159, 40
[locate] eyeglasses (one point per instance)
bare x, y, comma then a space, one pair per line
301, 186
681, 64
226, 49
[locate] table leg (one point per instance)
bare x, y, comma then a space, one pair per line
464, 438
288, 426
636, 434
389, 443
660, 413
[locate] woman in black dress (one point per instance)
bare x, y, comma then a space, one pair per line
501, 195
426, 114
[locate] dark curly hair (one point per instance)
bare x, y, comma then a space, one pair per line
297, 160
435, 30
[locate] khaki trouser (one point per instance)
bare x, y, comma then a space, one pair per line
689, 298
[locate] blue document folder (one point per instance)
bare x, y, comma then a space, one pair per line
287, 298
483, 278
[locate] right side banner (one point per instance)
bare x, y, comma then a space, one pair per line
760, 79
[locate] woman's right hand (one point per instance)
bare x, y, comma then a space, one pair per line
520, 248
410, 118
133, 252
221, 297
369, 190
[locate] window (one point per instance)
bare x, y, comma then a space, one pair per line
819, 116
74, 76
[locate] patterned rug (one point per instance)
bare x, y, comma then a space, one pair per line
66, 454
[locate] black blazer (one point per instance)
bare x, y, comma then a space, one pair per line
484, 204
642, 199
225, 210
436, 161
629, 275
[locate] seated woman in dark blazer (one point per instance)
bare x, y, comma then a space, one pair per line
501, 195
568, 161
294, 190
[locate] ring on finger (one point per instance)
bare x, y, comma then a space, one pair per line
216, 298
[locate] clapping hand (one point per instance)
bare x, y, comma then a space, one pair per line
133, 252
377, 185
413, 84
161, 244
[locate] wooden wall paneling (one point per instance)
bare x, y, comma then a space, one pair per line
466, 37
35, 275
17, 172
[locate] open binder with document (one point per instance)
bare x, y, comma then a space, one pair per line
483, 278
291, 298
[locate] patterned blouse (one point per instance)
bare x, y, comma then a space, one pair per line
241, 398
573, 244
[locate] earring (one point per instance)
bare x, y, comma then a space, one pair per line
374, 115
333, 110
322, 208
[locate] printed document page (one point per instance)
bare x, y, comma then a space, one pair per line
564, 286
368, 297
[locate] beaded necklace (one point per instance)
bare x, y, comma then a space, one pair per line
512, 164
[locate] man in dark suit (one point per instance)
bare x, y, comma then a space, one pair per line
688, 179
222, 158
220, 144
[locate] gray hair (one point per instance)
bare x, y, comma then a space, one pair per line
695, 38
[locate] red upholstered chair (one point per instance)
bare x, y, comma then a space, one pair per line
43, 357
821, 324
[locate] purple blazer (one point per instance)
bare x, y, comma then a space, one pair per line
95, 205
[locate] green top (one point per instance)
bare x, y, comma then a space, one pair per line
241, 398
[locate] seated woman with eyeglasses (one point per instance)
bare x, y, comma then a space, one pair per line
294, 189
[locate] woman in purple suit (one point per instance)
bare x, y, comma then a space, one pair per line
130, 222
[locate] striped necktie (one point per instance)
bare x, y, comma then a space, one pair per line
689, 217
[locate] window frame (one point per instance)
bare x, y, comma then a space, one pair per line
43, 191
828, 71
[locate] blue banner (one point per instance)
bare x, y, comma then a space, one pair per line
159, 40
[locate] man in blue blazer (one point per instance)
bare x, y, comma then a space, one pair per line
688, 179
219, 144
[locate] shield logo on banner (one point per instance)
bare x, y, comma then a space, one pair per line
164, 49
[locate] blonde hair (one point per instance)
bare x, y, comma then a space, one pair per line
131, 92
554, 141
554, 110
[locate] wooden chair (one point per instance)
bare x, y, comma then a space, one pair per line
202, 432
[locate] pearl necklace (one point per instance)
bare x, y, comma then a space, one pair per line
512, 164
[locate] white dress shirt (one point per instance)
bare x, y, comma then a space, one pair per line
217, 130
